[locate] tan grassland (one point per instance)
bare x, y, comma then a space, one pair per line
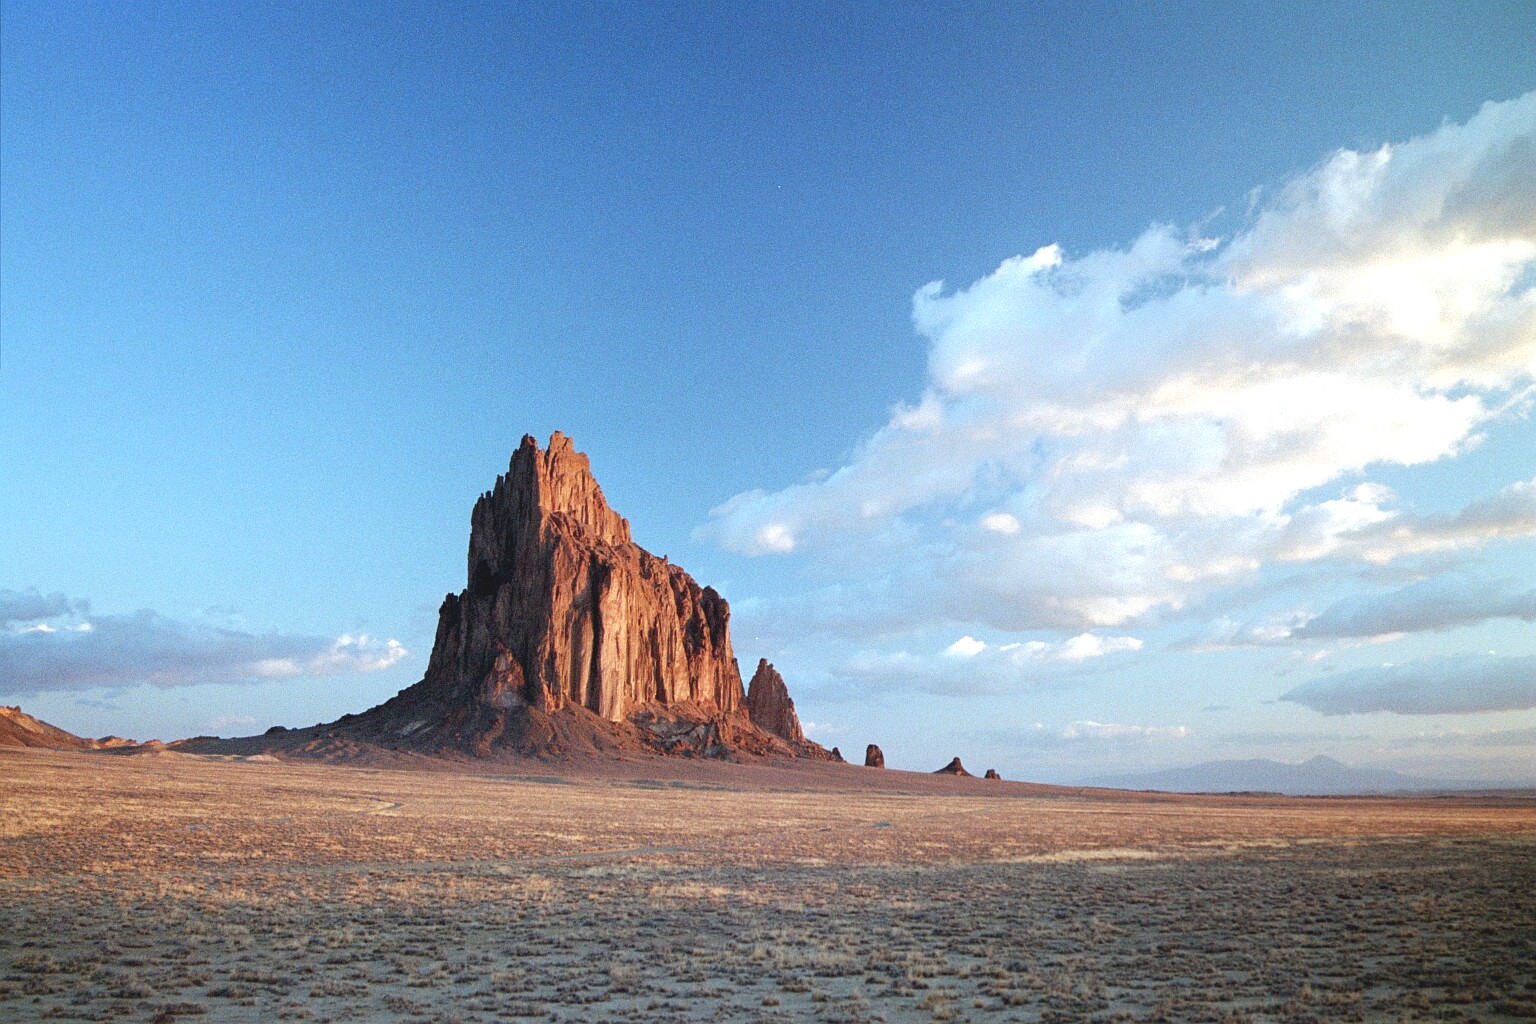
169, 886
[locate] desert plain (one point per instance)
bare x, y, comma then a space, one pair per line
165, 886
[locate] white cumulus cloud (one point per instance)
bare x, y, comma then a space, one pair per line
966, 647
1110, 436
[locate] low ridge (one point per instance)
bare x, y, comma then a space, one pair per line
19, 729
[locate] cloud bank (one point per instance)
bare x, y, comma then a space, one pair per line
1433, 686
1433, 604
1429, 605
1107, 438
48, 642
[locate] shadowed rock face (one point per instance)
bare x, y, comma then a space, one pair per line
769, 704
954, 768
992, 774
873, 757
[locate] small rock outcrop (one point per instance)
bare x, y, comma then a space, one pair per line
769, 705
992, 774
954, 768
837, 755
873, 757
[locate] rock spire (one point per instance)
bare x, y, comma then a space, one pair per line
769, 704
564, 609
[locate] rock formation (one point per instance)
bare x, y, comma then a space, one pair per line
992, 774
954, 768
873, 757
563, 609
19, 729
569, 637
769, 705
837, 755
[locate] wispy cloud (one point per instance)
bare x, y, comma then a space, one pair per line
1385, 535
1040, 735
1107, 438
1514, 738
50, 644
1081, 647
969, 665
1432, 686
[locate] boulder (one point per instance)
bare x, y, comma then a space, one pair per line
873, 757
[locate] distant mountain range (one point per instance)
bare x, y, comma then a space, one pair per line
1321, 776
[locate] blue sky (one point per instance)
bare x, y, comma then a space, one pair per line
283, 289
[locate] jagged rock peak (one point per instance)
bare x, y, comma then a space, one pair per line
954, 768
557, 481
873, 757
992, 774
562, 608
769, 705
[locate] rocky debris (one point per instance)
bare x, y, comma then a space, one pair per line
954, 768
570, 639
19, 729
769, 705
992, 774
873, 757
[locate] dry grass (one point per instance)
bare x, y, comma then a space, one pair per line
180, 888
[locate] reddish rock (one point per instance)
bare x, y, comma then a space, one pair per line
19, 729
873, 758
837, 755
954, 768
769, 704
570, 638
563, 609
992, 774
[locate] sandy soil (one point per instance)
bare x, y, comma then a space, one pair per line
170, 886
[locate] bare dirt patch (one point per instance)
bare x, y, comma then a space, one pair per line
223, 890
